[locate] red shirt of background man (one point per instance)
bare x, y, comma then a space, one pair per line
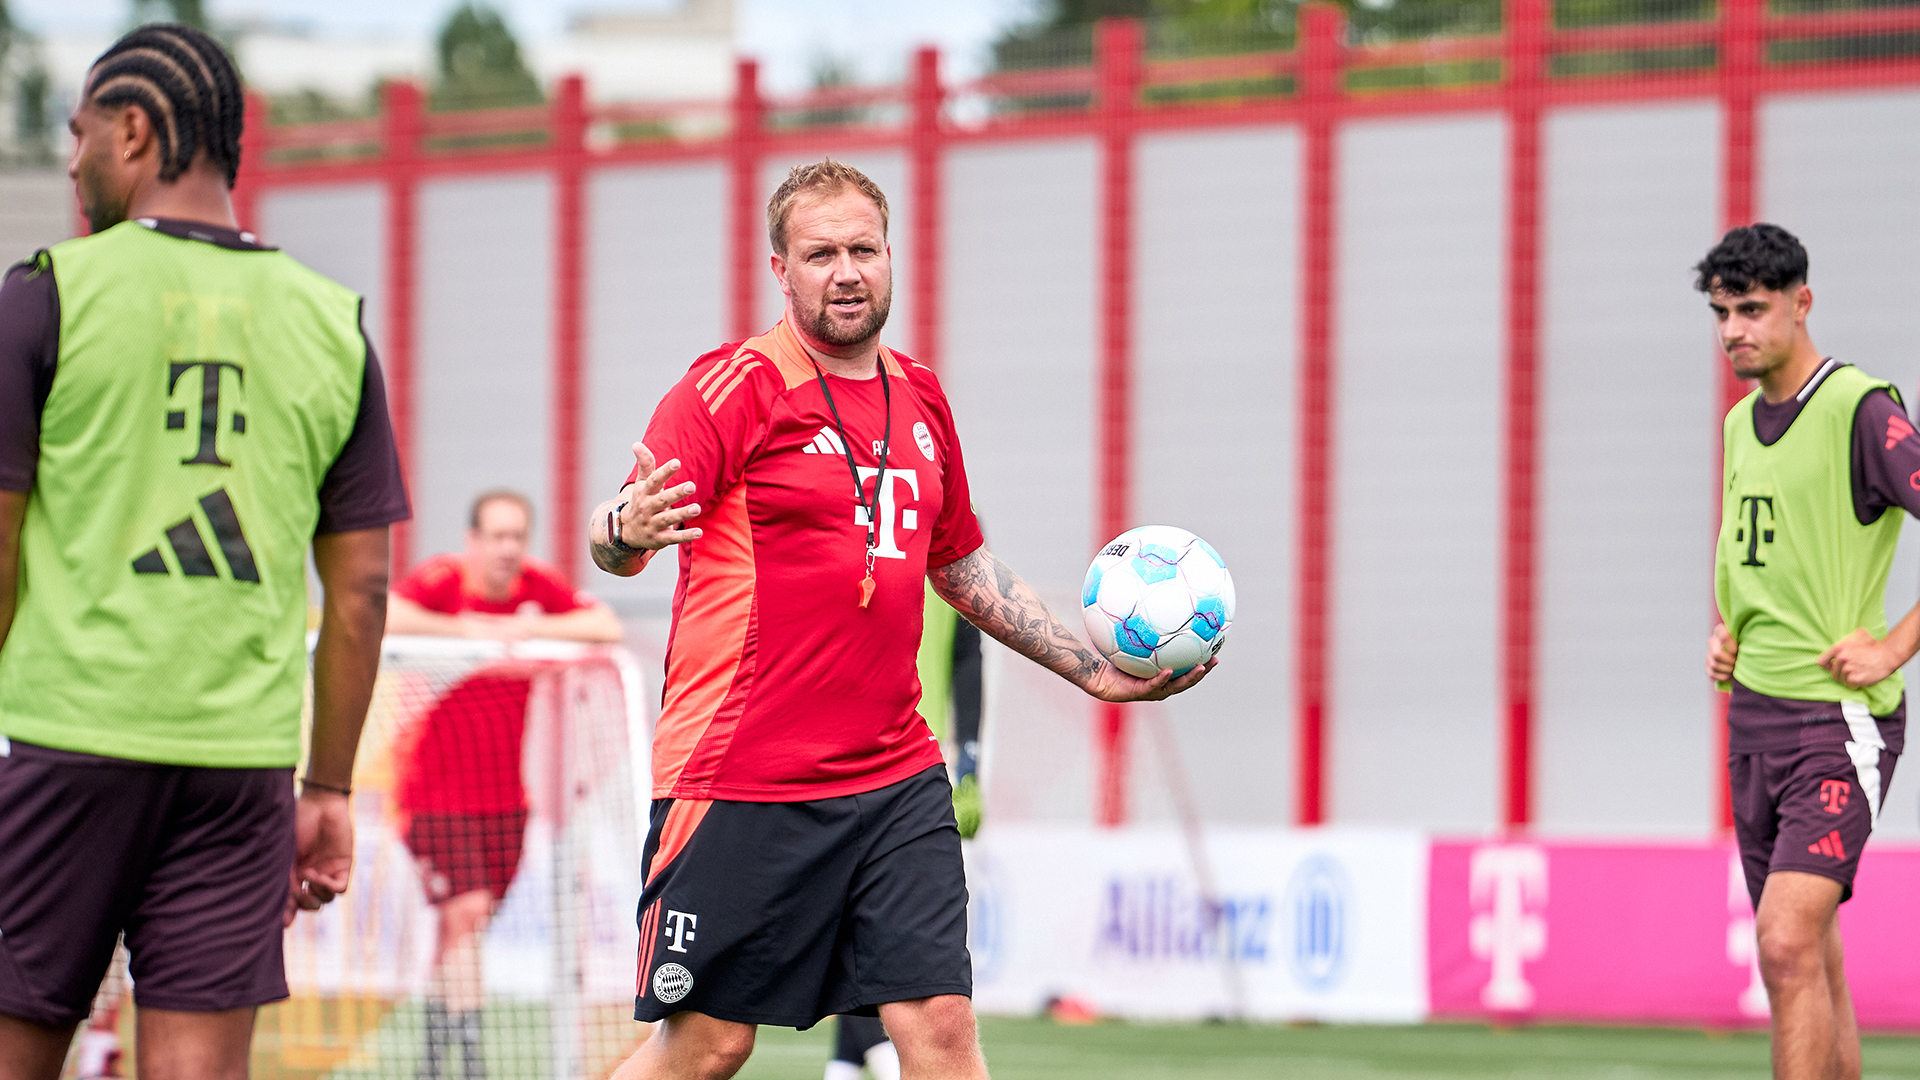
463, 756
780, 687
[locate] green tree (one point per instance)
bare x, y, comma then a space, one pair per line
190, 12
480, 64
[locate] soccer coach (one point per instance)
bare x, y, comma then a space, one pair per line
803, 859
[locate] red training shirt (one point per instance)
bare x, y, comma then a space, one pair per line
463, 755
779, 686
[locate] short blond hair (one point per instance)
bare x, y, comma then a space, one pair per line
821, 179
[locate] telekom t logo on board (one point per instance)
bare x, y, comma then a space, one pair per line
1507, 884
890, 514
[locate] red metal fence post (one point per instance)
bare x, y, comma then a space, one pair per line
744, 148
253, 162
570, 160
403, 121
1740, 64
1525, 75
925, 165
1321, 30
1120, 70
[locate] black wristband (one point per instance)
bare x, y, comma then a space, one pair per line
613, 532
309, 782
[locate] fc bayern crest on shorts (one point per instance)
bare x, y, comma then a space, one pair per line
671, 982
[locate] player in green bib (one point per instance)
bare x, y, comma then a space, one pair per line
186, 414
1821, 467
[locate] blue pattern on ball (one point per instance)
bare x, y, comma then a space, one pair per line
1091, 591
1155, 562
1135, 637
1209, 617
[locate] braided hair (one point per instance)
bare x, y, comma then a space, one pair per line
188, 87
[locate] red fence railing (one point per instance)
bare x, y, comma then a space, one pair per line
1330, 74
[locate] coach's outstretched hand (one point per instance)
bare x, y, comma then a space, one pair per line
643, 519
1109, 683
323, 851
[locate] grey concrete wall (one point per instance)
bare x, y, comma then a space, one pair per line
1838, 171
1417, 472
485, 351
338, 230
655, 301
37, 210
1628, 435
1216, 299
1019, 363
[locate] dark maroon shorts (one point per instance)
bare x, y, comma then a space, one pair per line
1806, 810
463, 853
191, 863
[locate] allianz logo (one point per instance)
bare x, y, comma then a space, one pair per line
1161, 918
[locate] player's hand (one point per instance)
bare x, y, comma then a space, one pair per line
322, 850
1721, 650
1111, 684
1859, 659
649, 520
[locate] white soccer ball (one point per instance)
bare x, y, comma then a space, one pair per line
1157, 598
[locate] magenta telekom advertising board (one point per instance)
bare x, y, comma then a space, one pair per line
1387, 926
1650, 933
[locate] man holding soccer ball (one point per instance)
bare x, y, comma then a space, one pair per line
803, 858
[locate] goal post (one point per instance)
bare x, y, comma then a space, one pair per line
373, 992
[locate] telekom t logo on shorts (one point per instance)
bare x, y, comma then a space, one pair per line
1833, 795
891, 516
1508, 889
679, 927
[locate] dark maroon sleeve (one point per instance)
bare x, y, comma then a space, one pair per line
1886, 458
29, 349
363, 488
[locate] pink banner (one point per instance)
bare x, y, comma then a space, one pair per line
1648, 933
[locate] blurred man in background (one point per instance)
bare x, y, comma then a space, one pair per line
457, 767
1822, 466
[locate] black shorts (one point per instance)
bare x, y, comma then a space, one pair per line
463, 853
1809, 810
191, 863
784, 913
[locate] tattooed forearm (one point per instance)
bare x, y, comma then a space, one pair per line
993, 597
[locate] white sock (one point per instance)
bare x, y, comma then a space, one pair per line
883, 1061
842, 1070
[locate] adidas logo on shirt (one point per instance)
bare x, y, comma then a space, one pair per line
826, 442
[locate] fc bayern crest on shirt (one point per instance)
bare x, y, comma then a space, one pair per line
671, 982
923, 439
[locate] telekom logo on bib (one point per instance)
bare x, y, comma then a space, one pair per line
1508, 885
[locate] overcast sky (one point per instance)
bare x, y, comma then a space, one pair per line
787, 35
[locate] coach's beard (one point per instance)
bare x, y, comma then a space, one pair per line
820, 324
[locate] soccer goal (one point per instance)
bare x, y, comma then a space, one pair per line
394, 978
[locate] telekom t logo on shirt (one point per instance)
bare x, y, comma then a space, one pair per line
891, 516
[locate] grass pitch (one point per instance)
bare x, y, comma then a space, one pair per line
1041, 1050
